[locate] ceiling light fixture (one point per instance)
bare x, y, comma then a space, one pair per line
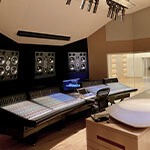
68, 2
91, 3
115, 7
125, 3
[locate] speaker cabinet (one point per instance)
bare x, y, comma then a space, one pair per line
44, 64
8, 65
77, 61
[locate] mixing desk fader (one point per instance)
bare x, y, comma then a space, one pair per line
59, 101
28, 110
118, 87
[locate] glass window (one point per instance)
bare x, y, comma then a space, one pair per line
132, 69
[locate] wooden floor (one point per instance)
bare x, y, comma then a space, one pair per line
72, 136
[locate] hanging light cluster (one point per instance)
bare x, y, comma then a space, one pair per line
116, 7
114, 10
91, 3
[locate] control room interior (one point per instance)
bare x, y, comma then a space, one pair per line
41, 44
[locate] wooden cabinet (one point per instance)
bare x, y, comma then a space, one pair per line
114, 135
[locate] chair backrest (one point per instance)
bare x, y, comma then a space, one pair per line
102, 98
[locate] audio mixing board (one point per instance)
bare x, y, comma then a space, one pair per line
95, 88
22, 117
115, 88
118, 87
58, 101
28, 110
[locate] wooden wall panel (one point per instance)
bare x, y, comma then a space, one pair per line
98, 49
97, 55
141, 45
119, 46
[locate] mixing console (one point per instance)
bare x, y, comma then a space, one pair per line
59, 101
115, 88
21, 117
28, 110
94, 89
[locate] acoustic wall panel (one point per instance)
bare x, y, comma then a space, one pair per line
44, 64
8, 65
77, 61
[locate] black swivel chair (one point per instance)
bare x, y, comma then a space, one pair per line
101, 101
102, 98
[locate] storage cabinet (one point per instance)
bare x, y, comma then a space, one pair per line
114, 135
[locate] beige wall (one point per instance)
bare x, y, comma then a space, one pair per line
118, 30
98, 48
116, 37
141, 24
135, 26
97, 54
141, 45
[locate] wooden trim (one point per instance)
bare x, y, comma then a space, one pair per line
111, 142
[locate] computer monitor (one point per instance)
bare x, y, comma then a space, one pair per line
71, 85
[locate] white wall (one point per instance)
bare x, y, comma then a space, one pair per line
134, 65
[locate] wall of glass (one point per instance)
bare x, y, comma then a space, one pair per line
132, 69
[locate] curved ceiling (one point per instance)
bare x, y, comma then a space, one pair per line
54, 17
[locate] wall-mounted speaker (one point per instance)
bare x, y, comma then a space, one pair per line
8, 65
77, 61
44, 64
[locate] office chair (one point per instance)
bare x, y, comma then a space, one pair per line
102, 98
100, 103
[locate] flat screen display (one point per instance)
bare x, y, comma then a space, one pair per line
71, 84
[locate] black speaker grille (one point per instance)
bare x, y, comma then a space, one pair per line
44, 64
8, 65
77, 61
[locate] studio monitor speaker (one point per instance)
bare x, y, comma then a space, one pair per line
77, 61
44, 64
8, 65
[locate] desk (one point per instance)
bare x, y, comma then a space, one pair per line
116, 136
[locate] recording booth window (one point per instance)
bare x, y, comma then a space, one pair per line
100, 103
